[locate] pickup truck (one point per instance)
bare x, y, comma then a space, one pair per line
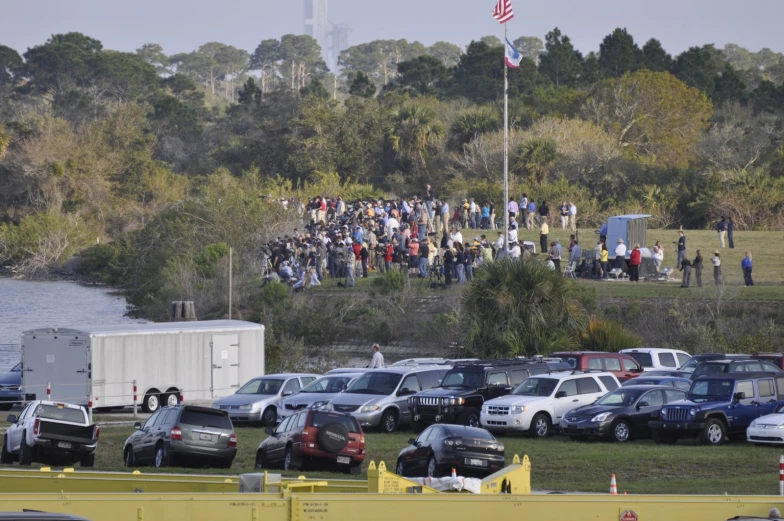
51, 433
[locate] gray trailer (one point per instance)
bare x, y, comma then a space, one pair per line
96, 366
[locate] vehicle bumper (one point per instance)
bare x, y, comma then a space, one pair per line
368, 419
7, 395
462, 461
587, 428
680, 428
249, 416
505, 422
431, 415
770, 436
54, 447
178, 448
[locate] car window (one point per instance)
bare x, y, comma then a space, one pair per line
569, 387
159, 419
682, 358
306, 380
497, 379
375, 382
284, 425
518, 376
267, 386
302, 420
653, 398
292, 386
26, 412
595, 363
425, 434
674, 396
322, 418
411, 382
464, 378
536, 387
53, 412
429, 379
747, 387
780, 387
754, 367
587, 386
152, 419
609, 382
667, 360
612, 364
572, 361
684, 386
765, 387
170, 417
205, 418
770, 367
644, 359
629, 365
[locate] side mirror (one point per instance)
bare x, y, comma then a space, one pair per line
405, 392
560, 394
412, 441
137, 425
286, 393
640, 405
637, 370
11, 418
269, 431
739, 396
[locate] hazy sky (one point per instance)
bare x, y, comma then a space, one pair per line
183, 25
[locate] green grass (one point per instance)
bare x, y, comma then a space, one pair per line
557, 463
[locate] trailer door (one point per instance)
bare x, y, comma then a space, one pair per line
225, 365
60, 362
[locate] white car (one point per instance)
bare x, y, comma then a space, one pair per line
539, 402
767, 429
658, 359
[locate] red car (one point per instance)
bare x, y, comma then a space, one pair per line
624, 367
775, 358
314, 438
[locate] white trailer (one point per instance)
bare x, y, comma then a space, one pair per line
96, 366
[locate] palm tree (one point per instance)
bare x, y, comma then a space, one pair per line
535, 157
5, 140
414, 129
472, 123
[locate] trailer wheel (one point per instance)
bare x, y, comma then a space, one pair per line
172, 399
151, 403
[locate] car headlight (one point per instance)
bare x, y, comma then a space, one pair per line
445, 401
458, 401
246, 407
500, 447
369, 408
601, 417
319, 405
693, 412
780, 426
518, 409
484, 409
215, 406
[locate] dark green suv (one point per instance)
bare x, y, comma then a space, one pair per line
182, 435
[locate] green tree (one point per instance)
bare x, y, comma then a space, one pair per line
379, 59
10, 66
592, 70
699, 66
265, 60
413, 132
5, 141
561, 62
448, 53
424, 75
655, 58
362, 86
472, 123
301, 60
315, 88
740, 58
530, 47
618, 54
728, 85
535, 157
491, 41
153, 54
250, 93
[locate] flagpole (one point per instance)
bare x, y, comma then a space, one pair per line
506, 150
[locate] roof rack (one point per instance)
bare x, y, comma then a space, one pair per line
508, 362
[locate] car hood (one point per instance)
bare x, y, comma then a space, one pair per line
357, 399
11, 378
447, 391
513, 399
308, 398
770, 419
593, 410
243, 399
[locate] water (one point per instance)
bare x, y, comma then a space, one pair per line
30, 305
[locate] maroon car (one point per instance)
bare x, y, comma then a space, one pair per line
623, 366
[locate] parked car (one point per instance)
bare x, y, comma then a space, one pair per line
620, 415
670, 381
655, 358
459, 398
51, 433
181, 435
379, 398
768, 429
440, 448
11, 388
695, 360
747, 365
418, 361
537, 405
776, 359
717, 407
314, 437
258, 400
316, 394
622, 366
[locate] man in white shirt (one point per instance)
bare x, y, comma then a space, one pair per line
514, 251
473, 211
392, 224
377, 361
573, 216
513, 233
499, 244
620, 253
454, 237
444, 218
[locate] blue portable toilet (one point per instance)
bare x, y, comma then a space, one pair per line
633, 229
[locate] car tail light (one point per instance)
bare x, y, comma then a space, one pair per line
36, 426
233, 441
176, 434
96, 432
305, 436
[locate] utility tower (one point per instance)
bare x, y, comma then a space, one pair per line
333, 38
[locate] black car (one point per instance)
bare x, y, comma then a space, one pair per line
620, 415
459, 398
440, 448
695, 360
733, 365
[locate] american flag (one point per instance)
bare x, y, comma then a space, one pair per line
503, 11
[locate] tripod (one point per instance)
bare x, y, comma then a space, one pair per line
435, 277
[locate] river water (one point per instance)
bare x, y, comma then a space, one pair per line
31, 304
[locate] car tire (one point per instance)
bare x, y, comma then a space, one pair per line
151, 403
664, 439
400, 468
226, 464
470, 418
162, 459
260, 463
269, 417
128, 460
88, 461
171, 399
288, 460
355, 469
6, 458
388, 423
540, 426
621, 431
25, 452
432, 467
714, 433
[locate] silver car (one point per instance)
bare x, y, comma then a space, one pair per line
379, 398
258, 400
316, 394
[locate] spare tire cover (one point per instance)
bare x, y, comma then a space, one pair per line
332, 437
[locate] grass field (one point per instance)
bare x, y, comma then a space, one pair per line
557, 463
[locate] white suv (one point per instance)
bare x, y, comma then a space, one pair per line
539, 402
658, 359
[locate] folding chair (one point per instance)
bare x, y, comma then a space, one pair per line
568, 271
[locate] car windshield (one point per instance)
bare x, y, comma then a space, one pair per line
644, 359
17, 368
328, 384
53, 412
261, 386
320, 419
462, 378
536, 387
704, 369
202, 418
704, 390
620, 397
572, 361
690, 366
375, 383
642, 381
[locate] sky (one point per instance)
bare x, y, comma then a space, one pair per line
183, 25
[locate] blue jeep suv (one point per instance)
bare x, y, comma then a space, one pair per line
718, 407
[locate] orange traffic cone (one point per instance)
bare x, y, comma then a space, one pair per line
613, 486
454, 473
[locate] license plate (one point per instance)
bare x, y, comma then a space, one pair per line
205, 437
475, 462
63, 445
344, 459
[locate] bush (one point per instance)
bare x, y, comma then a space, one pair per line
392, 280
603, 335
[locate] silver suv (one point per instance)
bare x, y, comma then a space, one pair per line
258, 400
379, 398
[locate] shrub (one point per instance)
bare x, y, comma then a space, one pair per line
392, 280
603, 335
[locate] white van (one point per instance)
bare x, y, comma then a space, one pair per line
658, 359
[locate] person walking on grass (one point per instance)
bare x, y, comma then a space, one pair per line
716, 260
686, 268
543, 232
745, 264
697, 265
722, 229
681, 248
573, 216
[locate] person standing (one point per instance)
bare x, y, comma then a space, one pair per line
564, 209
697, 265
429, 201
523, 207
605, 259
424, 253
635, 259
681, 248
620, 254
492, 215
658, 255
444, 217
377, 360
543, 232
597, 260
716, 260
485, 217
531, 217
730, 232
745, 264
544, 212
573, 216
722, 229
555, 256
686, 269
513, 209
